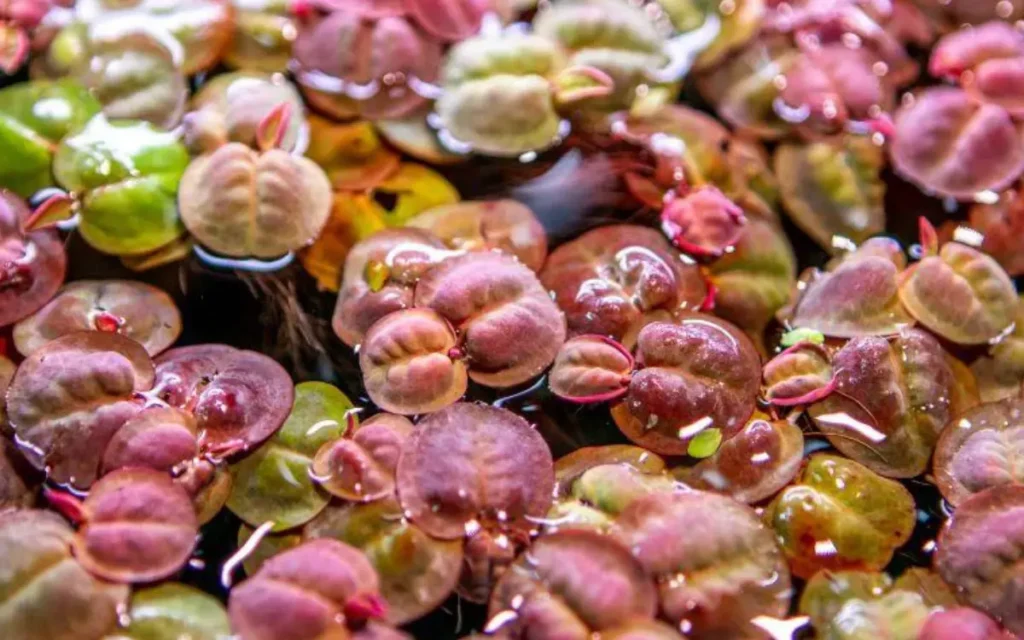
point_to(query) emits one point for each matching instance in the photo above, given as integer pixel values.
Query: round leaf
(473, 463)
(753, 465)
(503, 225)
(308, 592)
(417, 572)
(410, 363)
(125, 174)
(840, 515)
(44, 593)
(573, 582)
(343, 48)
(133, 309)
(171, 611)
(361, 467)
(972, 555)
(273, 483)
(509, 328)
(591, 369)
(701, 373)
(615, 279)
(69, 398)
(947, 143)
(239, 398)
(961, 294)
(240, 202)
(28, 135)
(140, 527)
(230, 107)
(725, 572)
(978, 450)
(833, 189)
(858, 297)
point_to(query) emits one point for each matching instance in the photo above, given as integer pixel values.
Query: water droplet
(124, 618)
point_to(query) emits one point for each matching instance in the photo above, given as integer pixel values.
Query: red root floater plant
(696, 374)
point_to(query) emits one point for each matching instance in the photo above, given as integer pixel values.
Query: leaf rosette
(891, 400)
(615, 279)
(125, 176)
(725, 572)
(840, 515)
(240, 202)
(347, 62)
(69, 398)
(572, 584)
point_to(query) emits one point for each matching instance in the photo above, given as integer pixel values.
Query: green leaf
(273, 483)
(34, 116)
(705, 443)
(172, 611)
(797, 335)
(126, 175)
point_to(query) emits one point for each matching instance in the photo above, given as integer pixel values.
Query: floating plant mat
(572, 187)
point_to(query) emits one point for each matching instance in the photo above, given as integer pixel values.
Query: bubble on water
(1004, 9)
(124, 618)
